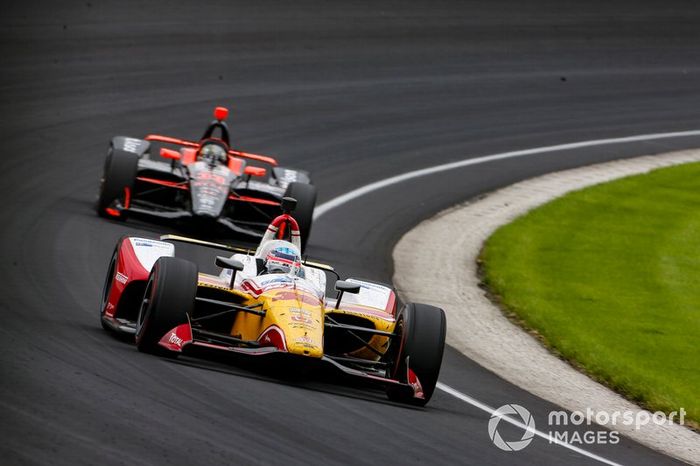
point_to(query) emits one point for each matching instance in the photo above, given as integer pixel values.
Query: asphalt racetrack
(352, 91)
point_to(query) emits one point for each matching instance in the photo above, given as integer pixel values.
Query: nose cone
(304, 331)
(305, 345)
(297, 312)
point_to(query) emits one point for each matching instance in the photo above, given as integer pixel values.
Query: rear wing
(234, 153)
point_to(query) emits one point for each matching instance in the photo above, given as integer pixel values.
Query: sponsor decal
(376, 296)
(272, 279)
(121, 278)
(175, 340)
(367, 312)
(302, 318)
(310, 299)
(209, 176)
(132, 145)
(369, 286)
(149, 243)
(287, 176)
(306, 342)
(300, 315)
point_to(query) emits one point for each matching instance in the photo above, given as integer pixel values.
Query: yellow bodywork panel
(300, 315)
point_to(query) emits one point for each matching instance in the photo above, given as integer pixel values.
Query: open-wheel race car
(206, 183)
(271, 303)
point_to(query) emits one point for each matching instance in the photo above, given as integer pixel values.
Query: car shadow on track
(318, 379)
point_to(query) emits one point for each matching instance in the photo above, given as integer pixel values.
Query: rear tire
(305, 194)
(168, 301)
(422, 342)
(119, 175)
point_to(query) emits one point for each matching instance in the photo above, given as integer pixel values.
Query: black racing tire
(305, 194)
(421, 329)
(119, 174)
(107, 288)
(169, 299)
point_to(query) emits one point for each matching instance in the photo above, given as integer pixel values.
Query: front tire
(305, 194)
(117, 183)
(421, 343)
(168, 301)
(107, 289)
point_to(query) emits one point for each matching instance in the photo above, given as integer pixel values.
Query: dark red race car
(206, 183)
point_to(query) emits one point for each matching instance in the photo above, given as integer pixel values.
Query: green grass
(609, 277)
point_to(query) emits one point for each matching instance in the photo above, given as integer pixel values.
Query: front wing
(184, 335)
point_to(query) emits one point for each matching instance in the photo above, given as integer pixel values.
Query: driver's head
(283, 259)
(213, 151)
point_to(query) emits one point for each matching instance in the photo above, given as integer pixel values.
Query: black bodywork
(212, 196)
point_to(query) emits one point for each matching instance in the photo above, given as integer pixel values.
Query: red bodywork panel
(189, 155)
(273, 336)
(236, 165)
(177, 338)
(128, 269)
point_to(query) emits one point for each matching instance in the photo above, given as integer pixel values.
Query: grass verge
(609, 278)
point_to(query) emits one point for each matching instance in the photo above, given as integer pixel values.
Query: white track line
(377, 185)
(491, 411)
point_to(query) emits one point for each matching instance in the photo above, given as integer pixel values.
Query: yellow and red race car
(269, 302)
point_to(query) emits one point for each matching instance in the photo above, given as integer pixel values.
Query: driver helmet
(213, 152)
(283, 259)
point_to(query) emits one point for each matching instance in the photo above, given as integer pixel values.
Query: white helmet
(282, 257)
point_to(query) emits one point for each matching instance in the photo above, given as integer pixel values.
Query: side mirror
(169, 154)
(254, 171)
(342, 287)
(229, 263)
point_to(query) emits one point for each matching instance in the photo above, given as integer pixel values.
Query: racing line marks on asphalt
(491, 412)
(377, 185)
